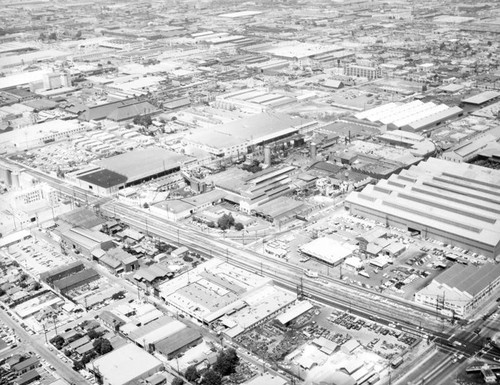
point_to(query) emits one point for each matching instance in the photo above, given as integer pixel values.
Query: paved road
(36, 344)
(281, 271)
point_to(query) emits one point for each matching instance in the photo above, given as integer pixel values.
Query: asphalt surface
(36, 343)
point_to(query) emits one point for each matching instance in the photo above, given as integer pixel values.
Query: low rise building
(461, 289)
(125, 365)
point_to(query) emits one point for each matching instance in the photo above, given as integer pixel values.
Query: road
(36, 344)
(284, 273)
(443, 365)
(409, 316)
(392, 307)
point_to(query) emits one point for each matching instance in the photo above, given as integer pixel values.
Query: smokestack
(267, 156)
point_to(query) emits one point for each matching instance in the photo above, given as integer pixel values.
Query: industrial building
(294, 312)
(327, 250)
(461, 289)
(415, 116)
(125, 365)
(482, 99)
(216, 292)
(249, 190)
(118, 110)
(145, 164)
(62, 271)
(236, 138)
(84, 241)
(70, 282)
(455, 203)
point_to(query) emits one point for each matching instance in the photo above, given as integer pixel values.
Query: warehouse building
(142, 165)
(84, 241)
(166, 336)
(235, 138)
(125, 366)
(75, 280)
(415, 116)
(294, 312)
(455, 203)
(461, 289)
(252, 190)
(327, 250)
(482, 99)
(62, 271)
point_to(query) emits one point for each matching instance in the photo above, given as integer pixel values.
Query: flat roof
(295, 49)
(104, 178)
(177, 340)
(143, 163)
(76, 278)
(483, 97)
(254, 129)
(327, 249)
(278, 207)
(267, 379)
(239, 14)
(295, 311)
(82, 217)
(157, 330)
(126, 364)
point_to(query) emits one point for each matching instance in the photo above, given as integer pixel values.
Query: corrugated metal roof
(469, 279)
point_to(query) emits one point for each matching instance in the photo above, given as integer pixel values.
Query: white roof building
(126, 365)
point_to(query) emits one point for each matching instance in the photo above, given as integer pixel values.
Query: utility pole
(45, 332)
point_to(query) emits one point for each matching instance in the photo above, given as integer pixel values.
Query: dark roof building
(103, 182)
(140, 165)
(62, 271)
(111, 320)
(26, 365)
(82, 217)
(118, 111)
(75, 280)
(177, 342)
(27, 378)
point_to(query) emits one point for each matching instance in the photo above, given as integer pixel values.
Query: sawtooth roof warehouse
(455, 203)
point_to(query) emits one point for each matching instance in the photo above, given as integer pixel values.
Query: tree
(226, 363)
(238, 226)
(143, 120)
(42, 36)
(191, 373)
(211, 377)
(177, 381)
(102, 346)
(145, 205)
(92, 334)
(225, 221)
(78, 34)
(57, 341)
(52, 36)
(37, 286)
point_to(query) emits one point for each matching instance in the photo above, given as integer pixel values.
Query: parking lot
(38, 256)
(401, 274)
(292, 347)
